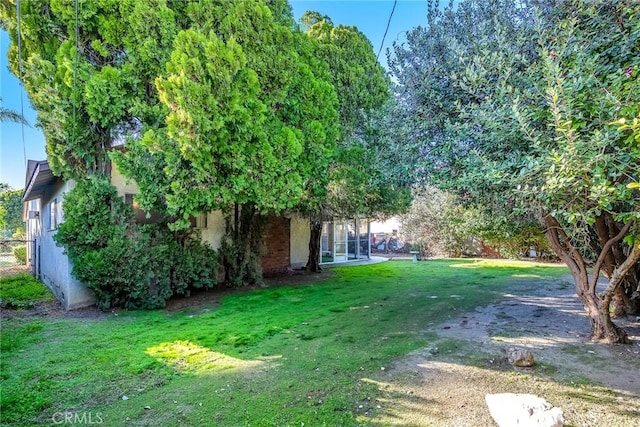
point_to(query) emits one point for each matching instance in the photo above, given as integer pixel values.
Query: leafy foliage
(20, 254)
(89, 73)
(220, 104)
(517, 110)
(11, 210)
(251, 116)
(442, 226)
(435, 223)
(356, 183)
(8, 115)
(129, 265)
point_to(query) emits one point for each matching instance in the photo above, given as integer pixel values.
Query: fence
(17, 256)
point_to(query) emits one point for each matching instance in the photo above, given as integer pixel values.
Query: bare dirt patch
(197, 299)
(212, 297)
(53, 310)
(445, 383)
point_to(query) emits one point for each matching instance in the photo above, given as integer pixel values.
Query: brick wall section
(276, 246)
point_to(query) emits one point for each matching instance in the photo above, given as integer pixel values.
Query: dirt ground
(197, 298)
(445, 383)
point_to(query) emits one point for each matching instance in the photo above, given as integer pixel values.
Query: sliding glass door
(344, 240)
(340, 241)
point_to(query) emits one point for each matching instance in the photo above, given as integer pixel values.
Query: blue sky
(370, 16)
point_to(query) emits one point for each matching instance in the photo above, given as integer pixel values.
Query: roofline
(40, 165)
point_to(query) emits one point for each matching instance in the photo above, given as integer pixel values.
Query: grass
(277, 356)
(23, 291)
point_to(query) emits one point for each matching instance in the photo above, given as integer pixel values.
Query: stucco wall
(32, 226)
(122, 185)
(214, 231)
(54, 267)
(299, 242)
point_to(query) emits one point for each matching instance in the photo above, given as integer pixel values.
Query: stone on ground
(523, 410)
(520, 357)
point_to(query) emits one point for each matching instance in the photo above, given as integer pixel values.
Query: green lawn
(277, 356)
(22, 291)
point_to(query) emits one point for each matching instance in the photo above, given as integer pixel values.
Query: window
(55, 214)
(141, 216)
(199, 221)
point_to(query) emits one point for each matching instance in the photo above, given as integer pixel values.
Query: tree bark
(315, 228)
(623, 303)
(241, 245)
(602, 328)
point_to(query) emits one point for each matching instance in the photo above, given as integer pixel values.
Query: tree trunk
(597, 308)
(241, 245)
(623, 302)
(313, 263)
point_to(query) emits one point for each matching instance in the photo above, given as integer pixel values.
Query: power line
(387, 29)
(75, 72)
(24, 145)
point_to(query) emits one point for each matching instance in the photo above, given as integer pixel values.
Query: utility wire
(75, 71)
(24, 145)
(387, 29)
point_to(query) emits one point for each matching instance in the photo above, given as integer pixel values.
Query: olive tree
(515, 106)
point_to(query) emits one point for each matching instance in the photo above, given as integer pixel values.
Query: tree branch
(603, 255)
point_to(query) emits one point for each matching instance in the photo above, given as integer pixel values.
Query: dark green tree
(10, 210)
(223, 105)
(353, 184)
(251, 125)
(89, 73)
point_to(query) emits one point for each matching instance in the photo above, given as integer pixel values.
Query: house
(42, 206)
(286, 238)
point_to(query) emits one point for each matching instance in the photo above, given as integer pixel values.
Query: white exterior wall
(214, 231)
(299, 242)
(387, 226)
(121, 183)
(32, 229)
(52, 264)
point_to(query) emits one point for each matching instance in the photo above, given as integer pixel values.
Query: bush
(20, 234)
(126, 264)
(437, 223)
(20, 254)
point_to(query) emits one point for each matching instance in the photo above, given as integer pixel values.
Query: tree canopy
(220, 105)
(356, 182)
(517, 108)
(251, 115)
(10, 209)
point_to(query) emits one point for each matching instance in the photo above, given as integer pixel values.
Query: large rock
(523, 410)
(520, 357)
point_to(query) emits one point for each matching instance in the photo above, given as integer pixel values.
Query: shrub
(20, 254)
(127, 264)
(437, 223)
(20, 234)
